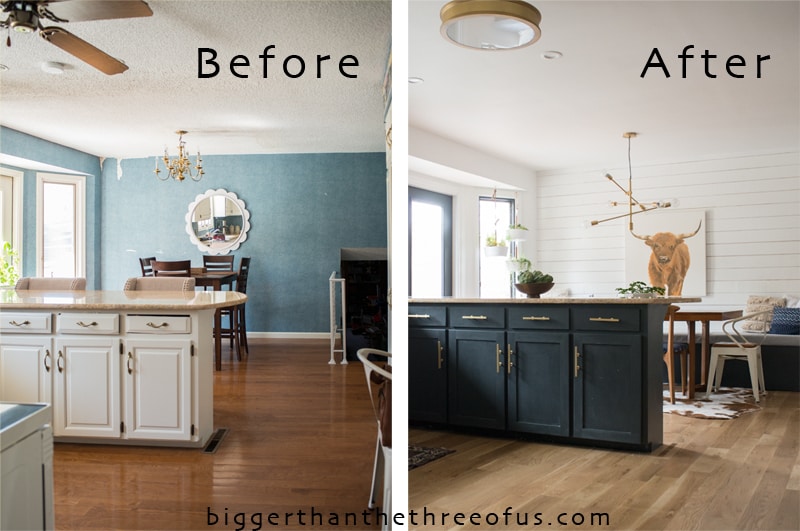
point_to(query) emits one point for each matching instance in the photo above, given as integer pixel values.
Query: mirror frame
(234, 244)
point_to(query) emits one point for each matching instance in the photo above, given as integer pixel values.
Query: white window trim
(80, 219)
(16, 206)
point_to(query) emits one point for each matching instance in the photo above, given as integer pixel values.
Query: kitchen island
(118, 367)
(585, 371)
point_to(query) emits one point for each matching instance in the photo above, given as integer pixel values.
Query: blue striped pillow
(785, 321)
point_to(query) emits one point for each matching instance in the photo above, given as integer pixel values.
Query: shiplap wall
(752, 209)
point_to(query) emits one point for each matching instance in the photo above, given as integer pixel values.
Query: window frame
(79, 205)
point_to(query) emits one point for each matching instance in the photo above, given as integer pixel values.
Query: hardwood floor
(302, 437)
(710, 474)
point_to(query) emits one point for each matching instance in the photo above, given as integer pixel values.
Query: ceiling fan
(25, 17)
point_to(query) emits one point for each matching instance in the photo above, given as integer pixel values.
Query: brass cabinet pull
(510, 362)
(128, 363)
(46, 359)
(86, 325)
(153, 325)
(536, 318)
(59, 360)
(604, 319)
(577, 359)
(419, 316)
(497, 358)
(439, 354)
(475, 317)
(23, 323)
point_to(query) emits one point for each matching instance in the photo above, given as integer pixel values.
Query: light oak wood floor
(709, 474)
(302, 438)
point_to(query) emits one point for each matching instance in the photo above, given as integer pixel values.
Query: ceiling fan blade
(83, 10)
(83, 50)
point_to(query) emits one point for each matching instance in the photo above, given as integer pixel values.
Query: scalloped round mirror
(217, 222)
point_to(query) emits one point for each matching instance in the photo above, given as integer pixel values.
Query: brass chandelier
(632, 202)
(180, 167)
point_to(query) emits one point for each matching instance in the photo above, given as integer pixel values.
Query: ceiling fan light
(491, 24)
(24, 21)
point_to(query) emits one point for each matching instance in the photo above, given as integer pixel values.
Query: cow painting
(669, 259)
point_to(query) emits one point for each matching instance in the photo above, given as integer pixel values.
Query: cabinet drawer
(538, 317)
(476, 316)
(606, 318)
(426, 316)
(23, 322)
(158, 324)
(87, 323)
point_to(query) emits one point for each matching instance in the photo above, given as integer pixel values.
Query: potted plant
(517, 232)
(495, 247)
(640, 290)
(534, 283)
(9, 264)
(517, 265)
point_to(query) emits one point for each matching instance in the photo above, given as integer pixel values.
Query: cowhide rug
(420, 455)
(727, 403)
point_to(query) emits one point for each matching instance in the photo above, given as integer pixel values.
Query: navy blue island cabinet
(583, 371)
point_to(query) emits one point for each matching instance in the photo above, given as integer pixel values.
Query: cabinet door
(607, 374)
(537, 366)
(87, 399)
(476, 378)
(26, 366)
(427, 374)
(157, 376)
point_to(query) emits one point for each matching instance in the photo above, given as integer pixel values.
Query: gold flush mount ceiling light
(491, 24)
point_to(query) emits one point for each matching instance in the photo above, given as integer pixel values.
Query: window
(60, 226)
(430, 243)
(495, 215)
(11, 208)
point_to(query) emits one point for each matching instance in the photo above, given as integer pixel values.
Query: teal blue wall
(303, 209)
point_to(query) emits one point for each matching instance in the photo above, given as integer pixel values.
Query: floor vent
(215, 440)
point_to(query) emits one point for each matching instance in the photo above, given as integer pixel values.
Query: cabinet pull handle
(128, 363)
(536, 318)
(419, 316)
(439, 354)
(577, 360)
(475, 317)
(23, 323)
(153, 325)
(46, 359)
(497, 353)
(86, 325)
(604, 319)
(510, 360)
(59, 360)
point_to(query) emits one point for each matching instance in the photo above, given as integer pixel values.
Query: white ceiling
(136, 113)
(571, 112)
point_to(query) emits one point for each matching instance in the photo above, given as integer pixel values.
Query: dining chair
(379, 385)
(159, 284)
(54, 283)
(175, 268)
(237, 333)
(739, 348)
(671, 349)
(218, 262)
(147, 268)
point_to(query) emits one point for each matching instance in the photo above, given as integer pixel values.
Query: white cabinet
(26, 369)
(157, 382)
(86, 398)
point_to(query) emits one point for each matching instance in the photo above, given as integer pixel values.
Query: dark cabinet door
(427, 375)
(607, 387)
(537, 366)
(476, 378)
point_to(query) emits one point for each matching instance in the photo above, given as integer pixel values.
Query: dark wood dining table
(704, 317)
(215, 280)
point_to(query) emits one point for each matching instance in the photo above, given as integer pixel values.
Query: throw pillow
(785, 321)
(757, 303)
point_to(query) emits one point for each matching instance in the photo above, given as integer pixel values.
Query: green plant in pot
(641, 290)
(495, 247)
(517, 265)
(517, 232)
(534, 283)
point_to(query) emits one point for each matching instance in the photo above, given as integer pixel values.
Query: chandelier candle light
(180, 167)
(643, 207)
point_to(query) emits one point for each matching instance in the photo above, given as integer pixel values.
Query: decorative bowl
(534, 289)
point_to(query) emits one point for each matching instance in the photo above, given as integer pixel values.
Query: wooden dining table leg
(692, 357)
(705, 352)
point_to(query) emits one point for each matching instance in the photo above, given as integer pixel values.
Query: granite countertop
(118, 300)
(565, 300)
